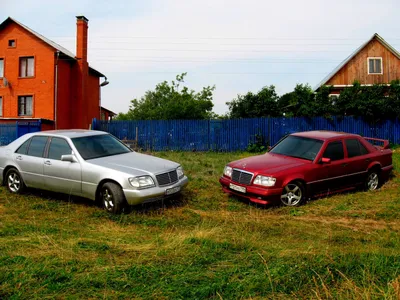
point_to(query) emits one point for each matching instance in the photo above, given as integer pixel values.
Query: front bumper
(134, 197)
(253, 193)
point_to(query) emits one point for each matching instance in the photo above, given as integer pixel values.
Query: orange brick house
(374, 62)
(40, 80)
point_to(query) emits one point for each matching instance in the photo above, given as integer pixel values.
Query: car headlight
(179, 172)
(228, 171)
(141, 182)
(264, 180)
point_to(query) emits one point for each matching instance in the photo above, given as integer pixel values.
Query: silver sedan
(91, 164)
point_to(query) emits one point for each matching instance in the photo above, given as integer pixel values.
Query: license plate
(172, 190)
(235, 187)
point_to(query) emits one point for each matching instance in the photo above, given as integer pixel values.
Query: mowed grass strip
(202, 245)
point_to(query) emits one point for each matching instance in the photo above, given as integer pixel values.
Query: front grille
(167, 178)
(241, 177)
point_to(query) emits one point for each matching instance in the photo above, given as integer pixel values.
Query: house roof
(109, 111)
(48, 42)
(343, 63)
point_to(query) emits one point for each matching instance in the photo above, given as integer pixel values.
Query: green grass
(202, 245)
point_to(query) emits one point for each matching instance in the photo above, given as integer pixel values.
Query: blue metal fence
(11, 131)
(235, 135)
(8, 133)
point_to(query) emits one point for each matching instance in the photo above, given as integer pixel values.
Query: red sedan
(309, 164)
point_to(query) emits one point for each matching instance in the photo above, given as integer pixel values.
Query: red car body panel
(317, 177)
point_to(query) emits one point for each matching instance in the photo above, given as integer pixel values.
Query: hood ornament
(244, 166)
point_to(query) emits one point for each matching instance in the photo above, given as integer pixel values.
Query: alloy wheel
(292, 195)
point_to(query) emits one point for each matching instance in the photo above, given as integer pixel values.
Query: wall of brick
(40, 86)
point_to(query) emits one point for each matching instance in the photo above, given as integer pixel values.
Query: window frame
(12, 40)
(3, 60)
(1, 105)
(25, 75)
(32, 109)
(374, 58)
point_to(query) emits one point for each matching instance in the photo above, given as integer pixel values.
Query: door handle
(47, 162)
(368, 160)
(343, 165)
(19, 157)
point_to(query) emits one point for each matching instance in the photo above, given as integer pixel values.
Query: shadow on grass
(151, 207)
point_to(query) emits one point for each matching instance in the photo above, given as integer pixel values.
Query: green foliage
(371, 103)
(259, 145)
(262, 104)
(171, 102)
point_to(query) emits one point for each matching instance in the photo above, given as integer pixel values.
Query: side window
(58, 147)
(22, 149)
(363, 149)
(36, 148)
(334, 151)
(355, 148)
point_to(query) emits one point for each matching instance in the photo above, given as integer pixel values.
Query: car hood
(135, 163)
(268, 163)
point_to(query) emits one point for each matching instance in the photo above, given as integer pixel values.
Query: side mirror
(325, 160)
(68, 157)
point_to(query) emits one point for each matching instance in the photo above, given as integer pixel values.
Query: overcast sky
(238, 46)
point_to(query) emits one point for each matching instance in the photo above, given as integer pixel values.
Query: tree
(171, 102)
(262, 104)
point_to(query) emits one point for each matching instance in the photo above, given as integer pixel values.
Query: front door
(61, 176)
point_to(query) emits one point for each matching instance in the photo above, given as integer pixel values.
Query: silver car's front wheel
(112, 198)
(293, 194)
(14, 181)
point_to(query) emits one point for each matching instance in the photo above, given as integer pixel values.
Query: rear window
(37, 145)
(355, 148)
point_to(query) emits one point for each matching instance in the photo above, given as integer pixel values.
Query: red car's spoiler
(385, 143)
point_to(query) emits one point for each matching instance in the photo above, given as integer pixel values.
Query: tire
(14, 182)
(293, 194)
(373, 180)
(112, 198)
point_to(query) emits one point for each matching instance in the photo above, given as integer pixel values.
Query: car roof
(70, 133)
(323, 134)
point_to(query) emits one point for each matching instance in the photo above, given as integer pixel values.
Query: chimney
(81, 38)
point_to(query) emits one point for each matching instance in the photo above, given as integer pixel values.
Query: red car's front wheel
(293, 194)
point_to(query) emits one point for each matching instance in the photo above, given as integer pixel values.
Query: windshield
(96, 146)
(299, 147)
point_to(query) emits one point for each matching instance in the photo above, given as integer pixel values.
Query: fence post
(94, 124)
(17, 131)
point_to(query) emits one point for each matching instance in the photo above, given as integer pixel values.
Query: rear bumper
(253, 193)
(134, 197)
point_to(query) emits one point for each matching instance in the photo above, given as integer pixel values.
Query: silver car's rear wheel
(293, 194)
(14, 181)
(112, 198)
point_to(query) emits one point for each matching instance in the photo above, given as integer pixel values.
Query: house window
(25, 105)
(1, 106)
(1, 67)
(333, 98)
(12, 43)
(26, 66)
(375, 65)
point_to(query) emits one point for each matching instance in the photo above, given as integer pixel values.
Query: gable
(48, 43)
(355, 67)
